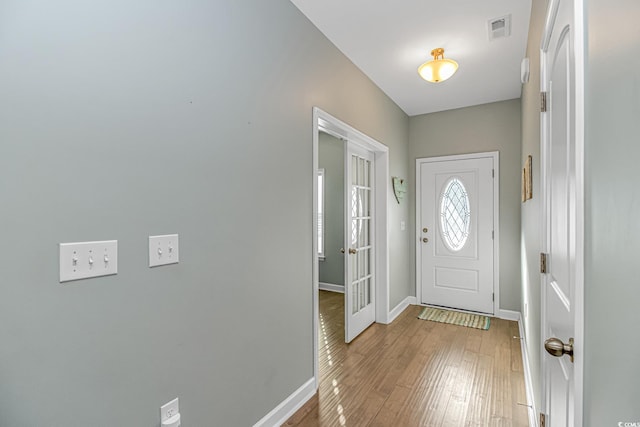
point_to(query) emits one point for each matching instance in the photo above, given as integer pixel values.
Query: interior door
(456, 220)
(359, 277)
(561, 232)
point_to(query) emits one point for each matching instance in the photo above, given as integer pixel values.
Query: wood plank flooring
(415, 373)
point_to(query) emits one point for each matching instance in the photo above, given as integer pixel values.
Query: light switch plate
(163, 250)
(83, 260)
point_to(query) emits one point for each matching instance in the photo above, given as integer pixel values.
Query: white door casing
(456, 221)
(325, 122)
(563, 210)
(359, 241)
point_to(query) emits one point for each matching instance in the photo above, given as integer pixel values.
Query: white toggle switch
(78, 260)
(163, 250)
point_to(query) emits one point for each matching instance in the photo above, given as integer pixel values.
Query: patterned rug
(455, 318)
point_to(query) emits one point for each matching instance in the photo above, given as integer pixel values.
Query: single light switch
(83, 260)
(163, 250)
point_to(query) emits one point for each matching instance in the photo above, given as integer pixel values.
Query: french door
(359, 241)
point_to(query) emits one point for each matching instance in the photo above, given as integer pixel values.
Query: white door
(562, 238)
(455, 232)
(359, 277)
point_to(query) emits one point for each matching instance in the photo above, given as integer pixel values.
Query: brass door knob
(352, 251)
(341, 250)
(425, 240)
(557, 348)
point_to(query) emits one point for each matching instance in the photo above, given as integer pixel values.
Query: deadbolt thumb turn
(557, 348)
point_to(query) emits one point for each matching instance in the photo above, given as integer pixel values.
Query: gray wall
(488, 127)
(612, 291)
(122, 119)
(331, 158)
(531, 210)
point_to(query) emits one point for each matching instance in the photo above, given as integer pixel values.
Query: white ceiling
(388, 40)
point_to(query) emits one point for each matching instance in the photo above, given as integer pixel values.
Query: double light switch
(163, 250)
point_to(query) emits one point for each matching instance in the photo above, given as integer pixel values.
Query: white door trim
(333, 126)
(495, 155)
(578, 49)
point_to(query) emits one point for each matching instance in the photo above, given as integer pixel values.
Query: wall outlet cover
(169, 410)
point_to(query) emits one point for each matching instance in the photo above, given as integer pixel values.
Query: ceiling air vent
(500, 27)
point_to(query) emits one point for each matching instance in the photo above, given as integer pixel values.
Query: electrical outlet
(83, 260)
(163, 250)
(169, 410)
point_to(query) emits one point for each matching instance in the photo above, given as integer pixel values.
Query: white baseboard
(398, 309)
(281, 413)
(331, 287)
(528, 384)
(508, 315)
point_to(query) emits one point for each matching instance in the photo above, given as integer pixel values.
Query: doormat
(469, 320)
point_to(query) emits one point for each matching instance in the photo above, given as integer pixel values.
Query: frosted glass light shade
(438, 69)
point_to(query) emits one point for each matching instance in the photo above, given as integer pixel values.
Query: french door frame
(325, 122)
(496, 220)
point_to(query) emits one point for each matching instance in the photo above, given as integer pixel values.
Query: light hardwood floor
(415, 373)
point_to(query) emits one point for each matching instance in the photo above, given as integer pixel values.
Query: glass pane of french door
(360, 239)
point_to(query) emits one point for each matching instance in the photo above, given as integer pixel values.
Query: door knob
(352, 251)
(425, 240)
(341, 250)
(425, 230)
(557, 348)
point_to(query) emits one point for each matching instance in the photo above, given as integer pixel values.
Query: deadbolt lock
(425, 230)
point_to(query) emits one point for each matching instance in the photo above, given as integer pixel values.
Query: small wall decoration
(527, 180)
(399, 188)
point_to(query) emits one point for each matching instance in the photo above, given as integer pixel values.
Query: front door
(359, 278)
(456, 231)
(562, 212)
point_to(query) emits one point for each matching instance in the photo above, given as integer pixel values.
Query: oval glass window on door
(455, 215)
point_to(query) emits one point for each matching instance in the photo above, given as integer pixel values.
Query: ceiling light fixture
(438, 69)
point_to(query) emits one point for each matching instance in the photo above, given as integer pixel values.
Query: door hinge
(543, 102)
(543, 262)
(493, 173)
(543, 420)
(493, 297)
(493, 235)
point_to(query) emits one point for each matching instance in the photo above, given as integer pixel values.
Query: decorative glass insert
(455, 215)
